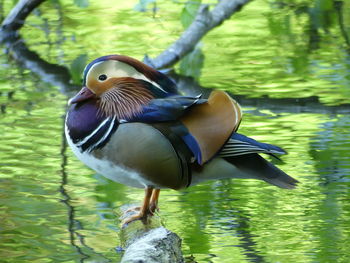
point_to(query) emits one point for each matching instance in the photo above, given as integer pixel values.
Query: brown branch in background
(204, 21)
(18, 14)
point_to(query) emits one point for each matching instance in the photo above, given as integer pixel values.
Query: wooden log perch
(204, 21)
(149, 242)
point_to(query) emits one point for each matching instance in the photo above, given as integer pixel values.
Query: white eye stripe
(116, 69)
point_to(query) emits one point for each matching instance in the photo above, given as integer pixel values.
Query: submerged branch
(50, 73)
(16, 47)
(59, 76)
(190, 86)
(204, 21)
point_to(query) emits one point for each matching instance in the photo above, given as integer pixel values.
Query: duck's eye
(102, 77)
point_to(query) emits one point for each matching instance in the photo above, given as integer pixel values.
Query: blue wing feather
(173, 107)
(165, 109)
(193, 145)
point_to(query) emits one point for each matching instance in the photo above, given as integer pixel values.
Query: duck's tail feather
(257, 167)
(240, 144)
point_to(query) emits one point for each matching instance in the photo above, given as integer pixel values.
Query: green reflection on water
(270, 54)
(54, 209)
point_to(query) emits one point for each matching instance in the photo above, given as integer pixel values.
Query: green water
(288, 63)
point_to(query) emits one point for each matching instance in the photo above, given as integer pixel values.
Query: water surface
(287, 64)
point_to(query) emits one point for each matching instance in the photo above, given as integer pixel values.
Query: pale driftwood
(149, 242)
(204, 21)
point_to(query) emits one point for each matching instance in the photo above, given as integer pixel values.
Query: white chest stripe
(80, 143)
(104, 136)
(108, 169)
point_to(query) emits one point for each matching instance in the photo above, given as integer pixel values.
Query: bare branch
(18, 14)
(204, 21)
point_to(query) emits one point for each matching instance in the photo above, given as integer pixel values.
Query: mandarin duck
(130, 124)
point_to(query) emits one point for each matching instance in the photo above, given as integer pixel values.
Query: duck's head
(121, 85)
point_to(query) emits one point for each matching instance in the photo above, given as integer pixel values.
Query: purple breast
(82, 119)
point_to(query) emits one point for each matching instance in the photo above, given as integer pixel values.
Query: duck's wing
(206, 124)
(166, 109)
(167, 112)
(212, 123)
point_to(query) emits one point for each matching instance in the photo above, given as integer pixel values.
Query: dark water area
(286, 62)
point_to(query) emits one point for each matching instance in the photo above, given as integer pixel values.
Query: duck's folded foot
(139, 216)
(133, 209)
(153, 208)
(144, 210)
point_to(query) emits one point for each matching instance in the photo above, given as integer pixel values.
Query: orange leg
(153, 205)
(144, 208)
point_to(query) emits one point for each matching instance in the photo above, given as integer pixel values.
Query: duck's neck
(87, 127)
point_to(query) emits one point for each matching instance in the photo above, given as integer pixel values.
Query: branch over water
(204, 21)
(15, 19)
